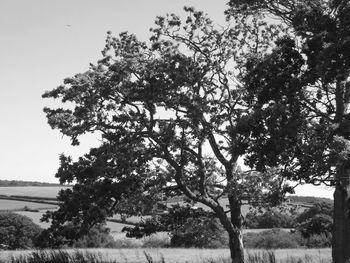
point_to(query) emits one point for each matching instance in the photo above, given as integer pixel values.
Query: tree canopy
(177, 112)
(174, 117)
(311, 84)
(301, 89)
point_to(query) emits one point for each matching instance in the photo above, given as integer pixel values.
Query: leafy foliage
(316, 209)
(318, 241)
(316, 221)
(272, 218)
(316, 225)
(196, 97)
(187, 226)
(272, 239)
(96, 237)
(102, 177)
(17, 231)
(175, 115)
(310, 137)
(303, 116)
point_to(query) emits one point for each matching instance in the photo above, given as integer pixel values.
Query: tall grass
(79, 256)
(270, 257)
(265, 256)
(59, 256)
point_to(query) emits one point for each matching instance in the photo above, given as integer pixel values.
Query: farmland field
(36, 216)
(114, 227)
(194, 255)
(14, 205)
(35, 191)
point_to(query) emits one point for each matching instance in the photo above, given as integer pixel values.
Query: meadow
(179, 255)
(135, 250)
(36, 216)
(52, 192)
(34, 191)
(16, 205)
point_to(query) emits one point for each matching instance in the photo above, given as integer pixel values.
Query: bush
(98, 237)
(126, 242)
(203, 232)
(188, 227)
(272, 239)
(160, 239)
(17, 231)
(269, 219)
(318, 208)
(319, 241)
(316, 225)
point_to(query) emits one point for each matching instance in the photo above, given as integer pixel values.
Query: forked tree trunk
(233, 228)
(236, 240)
(236, 247)
(341, 217)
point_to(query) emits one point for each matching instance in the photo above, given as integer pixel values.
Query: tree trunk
(236, 247)
(341, 225)
(236, 240)
(233, 227)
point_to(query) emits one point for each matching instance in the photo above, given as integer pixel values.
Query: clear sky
(44, 41)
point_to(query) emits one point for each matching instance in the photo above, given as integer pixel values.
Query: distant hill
(4, 183)
(308, 199)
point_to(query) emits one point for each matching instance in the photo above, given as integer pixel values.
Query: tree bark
(341, 225)
(236, 240)
(233, 227)
(236, 247)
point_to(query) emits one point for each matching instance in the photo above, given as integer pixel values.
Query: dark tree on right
(302, 100)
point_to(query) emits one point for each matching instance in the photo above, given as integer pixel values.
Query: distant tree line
(24, 183)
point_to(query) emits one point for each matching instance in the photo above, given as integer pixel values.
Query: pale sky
(43, 42)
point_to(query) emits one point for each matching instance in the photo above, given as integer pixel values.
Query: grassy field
(36, 216)
(194, 255)
(113, 226)
(15, 205)
(52, 191)
(36, 191)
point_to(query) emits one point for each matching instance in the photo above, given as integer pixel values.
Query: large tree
(303, 91)
(174, 117)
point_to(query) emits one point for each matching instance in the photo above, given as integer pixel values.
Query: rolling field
(36, 216)
(52, 191)
(115, 227)
(180, 255)
(15, 205)
(35, 191)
